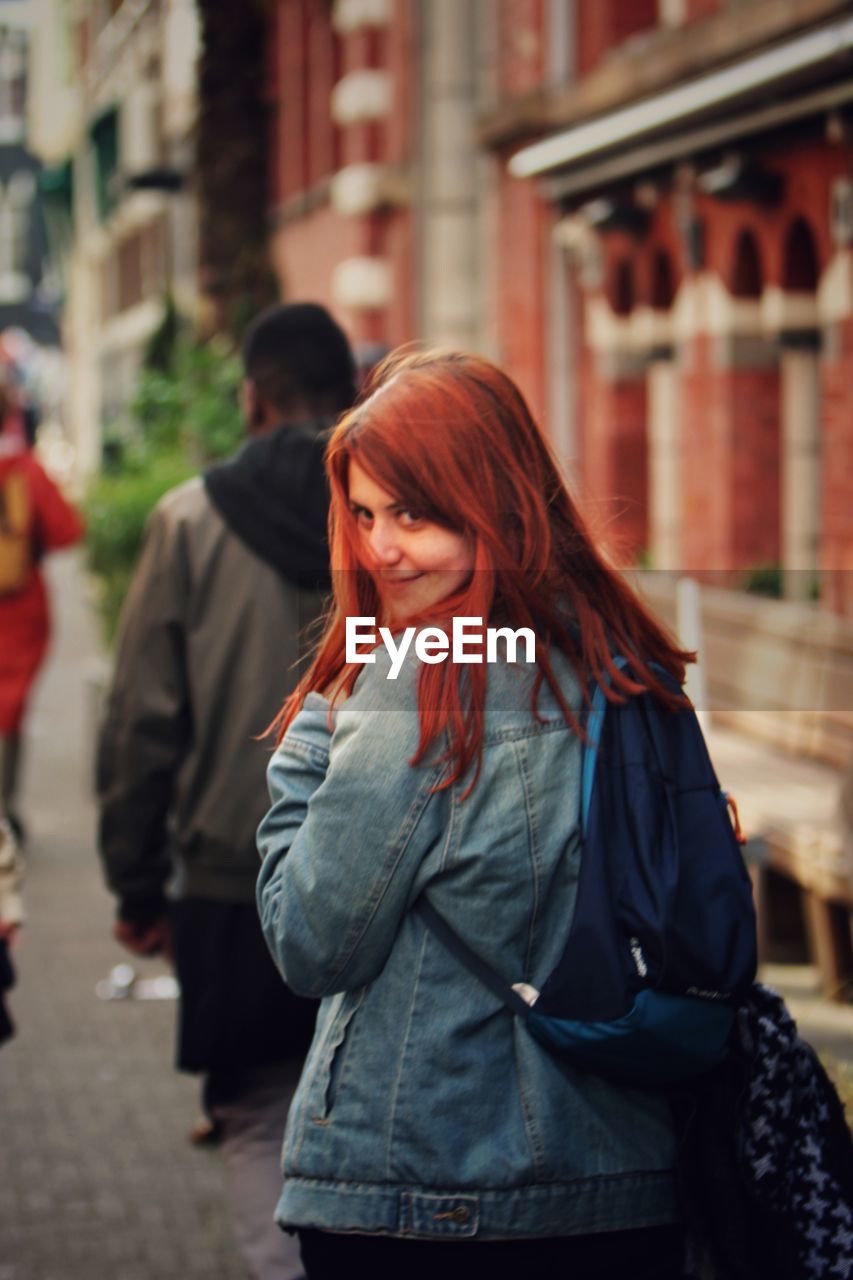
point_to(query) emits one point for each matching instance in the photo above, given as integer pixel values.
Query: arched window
(663, 281)
(800, 265)
(747, 276)
(622, 291)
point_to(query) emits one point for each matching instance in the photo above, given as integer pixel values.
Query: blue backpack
(661, 946)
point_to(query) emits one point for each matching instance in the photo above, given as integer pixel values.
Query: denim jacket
(425, 1107)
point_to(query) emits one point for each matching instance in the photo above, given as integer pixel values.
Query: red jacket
(24, 617)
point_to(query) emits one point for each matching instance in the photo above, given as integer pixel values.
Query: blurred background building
(111, 109)
(642, 208)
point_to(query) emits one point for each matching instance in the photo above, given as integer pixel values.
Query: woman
(34, 519)
(429, 1130)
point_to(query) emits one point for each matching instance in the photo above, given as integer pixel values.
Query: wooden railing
(777, 671)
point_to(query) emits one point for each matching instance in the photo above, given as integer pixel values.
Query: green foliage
(161, 346)
(764, 580)
(769, 580)
(117, 507)
(193, 404)
(209, 376)
(186, 415)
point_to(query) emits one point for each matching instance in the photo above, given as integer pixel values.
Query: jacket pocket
(331, 1064)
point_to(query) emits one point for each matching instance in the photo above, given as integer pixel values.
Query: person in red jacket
(34, 518)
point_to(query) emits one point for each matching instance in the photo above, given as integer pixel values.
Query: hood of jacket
(273, 494)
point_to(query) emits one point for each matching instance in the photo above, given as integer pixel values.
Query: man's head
(298, 367)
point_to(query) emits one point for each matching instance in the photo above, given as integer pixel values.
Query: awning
(796, 61)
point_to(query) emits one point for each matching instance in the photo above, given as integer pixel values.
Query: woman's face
(414, 561)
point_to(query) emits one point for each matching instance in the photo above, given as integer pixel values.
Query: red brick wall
(324, 60)
(754, 435)
(706, 498)
(730, 502)
(629, 461)
(521, 53)
(696, 9)
(522, 225)
(399, 320)
(307, 60)
(615, 461)
(306, 250)
(604, 24)
(401, 50)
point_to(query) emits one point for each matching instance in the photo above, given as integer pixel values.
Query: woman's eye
(363, 517)
(408, 517)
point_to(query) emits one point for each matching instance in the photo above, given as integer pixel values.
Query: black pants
(653, 1253)
(235, 1012)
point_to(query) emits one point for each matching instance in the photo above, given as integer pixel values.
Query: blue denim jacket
(425, 1108)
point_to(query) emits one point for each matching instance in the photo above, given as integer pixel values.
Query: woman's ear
(251, 405)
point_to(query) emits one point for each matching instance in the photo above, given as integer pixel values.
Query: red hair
(450, 435)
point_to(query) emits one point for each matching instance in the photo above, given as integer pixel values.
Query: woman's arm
(354, 820)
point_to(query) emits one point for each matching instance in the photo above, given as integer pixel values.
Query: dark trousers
(235, 1012)
(652, 1253)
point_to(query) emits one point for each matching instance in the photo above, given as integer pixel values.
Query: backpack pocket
(663, 1039)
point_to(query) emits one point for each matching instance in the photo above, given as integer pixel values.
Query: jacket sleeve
(349, 826)
(147, 726)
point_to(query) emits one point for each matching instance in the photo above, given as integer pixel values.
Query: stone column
(800, 470)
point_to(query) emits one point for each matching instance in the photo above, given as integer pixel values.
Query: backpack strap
(475, 964)
(448, 936)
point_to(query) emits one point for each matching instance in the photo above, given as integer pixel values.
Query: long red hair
(450, 436)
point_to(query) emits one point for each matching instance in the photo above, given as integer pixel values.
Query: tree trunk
(232, 163)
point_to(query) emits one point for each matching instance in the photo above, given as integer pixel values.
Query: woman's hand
(9, 932)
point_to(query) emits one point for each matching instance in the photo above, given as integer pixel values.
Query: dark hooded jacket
(214, 632)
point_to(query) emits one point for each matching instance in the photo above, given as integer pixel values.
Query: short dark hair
(299, 358)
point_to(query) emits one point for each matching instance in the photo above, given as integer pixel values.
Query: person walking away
(35, 518)
(431, 1134)
(233, 570)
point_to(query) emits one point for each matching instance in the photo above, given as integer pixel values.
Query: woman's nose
(384, 545)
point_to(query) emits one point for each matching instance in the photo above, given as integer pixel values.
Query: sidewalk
(99, 1182)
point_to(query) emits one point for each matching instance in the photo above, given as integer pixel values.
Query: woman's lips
(400, 580)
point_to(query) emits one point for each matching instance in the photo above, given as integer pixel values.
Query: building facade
(642, 208)
(28, 296)
(694, 170)
(112, 111)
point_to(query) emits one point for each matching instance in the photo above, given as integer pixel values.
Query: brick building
(339, 165)
(378, 183)
(642, 208)
(695, 167)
